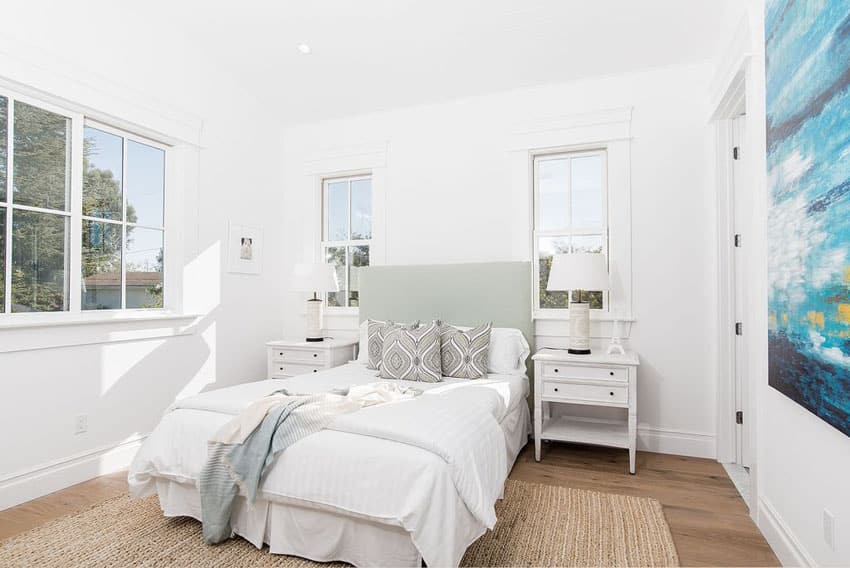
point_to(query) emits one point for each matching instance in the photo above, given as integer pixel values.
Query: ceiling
(371, 55)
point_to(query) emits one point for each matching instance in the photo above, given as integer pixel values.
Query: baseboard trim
(41, 480)
(678, 442)
(781, 539)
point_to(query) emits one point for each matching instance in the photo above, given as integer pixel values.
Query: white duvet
(448, 451)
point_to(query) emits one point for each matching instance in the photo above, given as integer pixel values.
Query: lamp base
(579, 328)
(314, 321)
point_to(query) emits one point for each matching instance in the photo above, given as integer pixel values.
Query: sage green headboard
(460, 294)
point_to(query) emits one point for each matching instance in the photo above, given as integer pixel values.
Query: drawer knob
(281, 368)
(611, 393)
(611, 373)
(556, 389)
(316, 355)
(316, 371)
(556, 370)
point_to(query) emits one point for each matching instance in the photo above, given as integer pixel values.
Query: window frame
(324, 243)
(536, 233)
(127, 137)
(73, 246)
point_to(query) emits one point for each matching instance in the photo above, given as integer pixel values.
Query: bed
(342, 494)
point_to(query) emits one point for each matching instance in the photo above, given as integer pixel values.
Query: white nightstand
(289, 358)
(592, 380)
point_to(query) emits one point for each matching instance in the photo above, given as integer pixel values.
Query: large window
(347, 233)
(58, 174)
(570, 216)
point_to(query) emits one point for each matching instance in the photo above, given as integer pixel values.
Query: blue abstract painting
(807, 49)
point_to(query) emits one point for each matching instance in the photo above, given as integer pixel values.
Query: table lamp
(316, 278)
(578, 272)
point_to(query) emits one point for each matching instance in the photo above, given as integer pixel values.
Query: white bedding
(366, 476)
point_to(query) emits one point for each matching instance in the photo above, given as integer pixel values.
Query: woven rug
(539, 525)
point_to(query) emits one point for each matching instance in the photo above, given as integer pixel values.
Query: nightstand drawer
(292, 369)
(555, 371)
(299, 356)
(586, 393)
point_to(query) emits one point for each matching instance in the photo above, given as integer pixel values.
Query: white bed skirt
(322, 533)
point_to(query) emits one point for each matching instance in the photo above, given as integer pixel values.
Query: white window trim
(605, 129)
(347, 161)
(82, 96)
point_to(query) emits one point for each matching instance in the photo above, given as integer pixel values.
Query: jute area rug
(539, 525)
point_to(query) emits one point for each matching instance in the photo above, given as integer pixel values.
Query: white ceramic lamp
(578, 272)
(316, 278)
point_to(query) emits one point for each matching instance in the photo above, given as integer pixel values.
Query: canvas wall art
(807, 48)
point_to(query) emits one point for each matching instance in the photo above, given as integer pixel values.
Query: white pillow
(508, 351)
(363, 351)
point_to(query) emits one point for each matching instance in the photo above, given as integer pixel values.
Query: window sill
(564, 315)
(27, 332)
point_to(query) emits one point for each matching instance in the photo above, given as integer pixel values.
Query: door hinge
(738, 240)
(739, 417)
(739, 328)
(735, 153)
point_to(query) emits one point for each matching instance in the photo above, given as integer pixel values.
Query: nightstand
(597, 379)
(290, 358)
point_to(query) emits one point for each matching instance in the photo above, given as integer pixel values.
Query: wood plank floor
(709, 521)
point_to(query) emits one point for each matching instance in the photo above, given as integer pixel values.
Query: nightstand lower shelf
(568, 429)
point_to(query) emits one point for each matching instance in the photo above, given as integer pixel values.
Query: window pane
(2, 259)
(145, 184)
(101, 266)
(361, 209)
(42, 148)
(587, 192)
(548, 247)
(39, 257)
(553, 185)
(588, 243)
(336, 256)
(359, 258)
(4, 151)
(144, 268)
(102, 166)
(595, 299)
(337, 211)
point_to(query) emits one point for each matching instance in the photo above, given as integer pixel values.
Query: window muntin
(347, 233)
(48, 231)
(570, 216)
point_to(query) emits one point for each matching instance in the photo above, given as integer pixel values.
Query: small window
(347, 233)
(570, 216)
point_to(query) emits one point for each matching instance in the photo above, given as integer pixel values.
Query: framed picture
(244, 249)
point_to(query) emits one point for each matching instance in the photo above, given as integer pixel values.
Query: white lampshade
(578, 271)
(315, 277)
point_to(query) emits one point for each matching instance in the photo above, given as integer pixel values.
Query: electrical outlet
(81, 423)
(829, 529)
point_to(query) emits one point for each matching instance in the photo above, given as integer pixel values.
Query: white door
(742, 206)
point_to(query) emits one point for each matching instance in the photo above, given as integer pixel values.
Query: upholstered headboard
(461, 294)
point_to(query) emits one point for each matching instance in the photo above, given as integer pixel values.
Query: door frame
(732, 105)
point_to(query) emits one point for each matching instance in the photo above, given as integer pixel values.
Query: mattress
(385, 483)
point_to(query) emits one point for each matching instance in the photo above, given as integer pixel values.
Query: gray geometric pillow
(412, 354)
(464, 353)
(376, 332)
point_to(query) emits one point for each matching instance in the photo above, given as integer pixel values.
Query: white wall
(449, 198)
(802, 463)
(124, 387)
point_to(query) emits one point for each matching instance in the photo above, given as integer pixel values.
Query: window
(46, 154)
(346, 233)
(570, 215)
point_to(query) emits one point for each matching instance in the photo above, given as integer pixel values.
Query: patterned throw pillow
(376, 332)
(412, 354)
(464, 353)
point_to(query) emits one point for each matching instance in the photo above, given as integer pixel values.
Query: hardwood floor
(709, 521)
